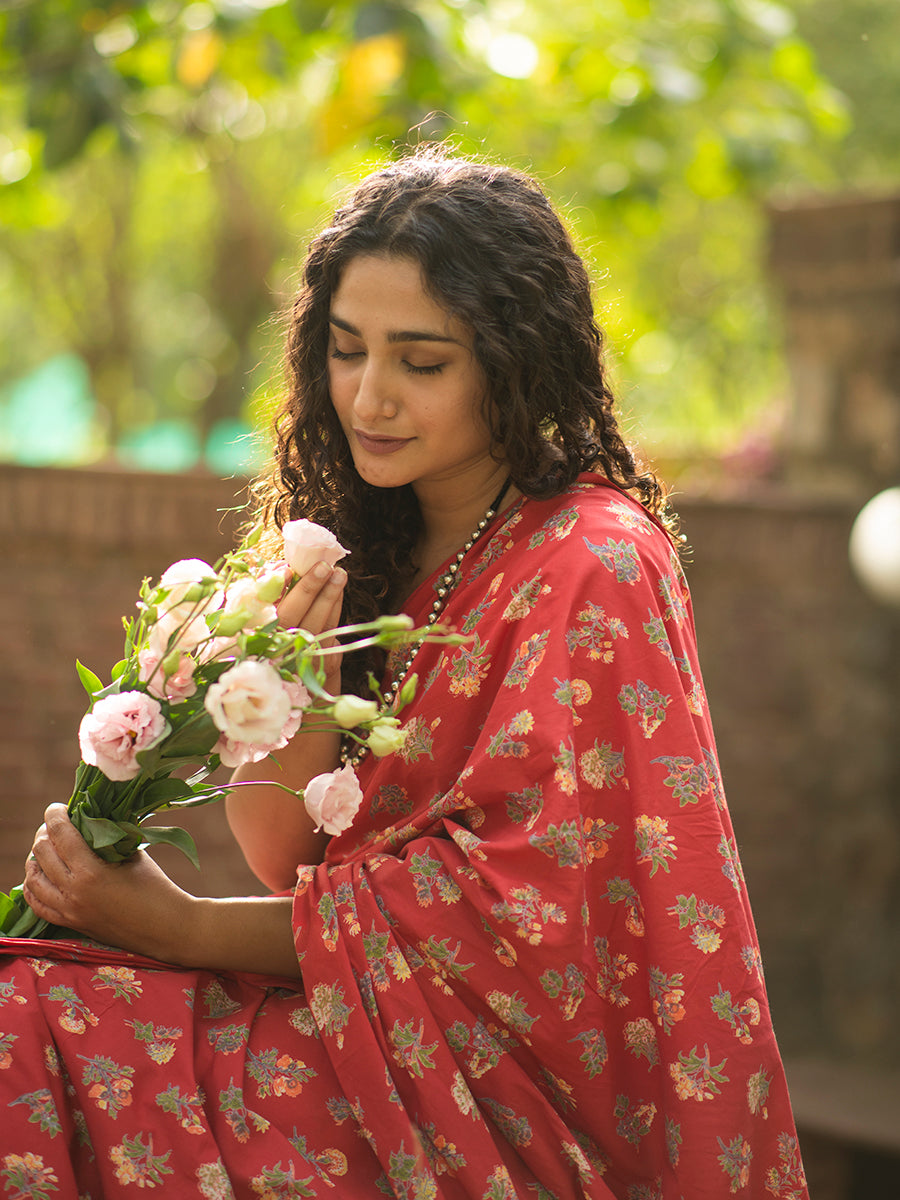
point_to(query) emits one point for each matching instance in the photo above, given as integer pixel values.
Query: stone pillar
(837, 266)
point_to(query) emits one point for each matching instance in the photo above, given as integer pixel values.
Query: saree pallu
(529, 967)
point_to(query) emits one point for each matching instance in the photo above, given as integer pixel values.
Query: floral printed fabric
(529, 967)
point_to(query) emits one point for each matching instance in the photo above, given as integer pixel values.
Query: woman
(529, 966)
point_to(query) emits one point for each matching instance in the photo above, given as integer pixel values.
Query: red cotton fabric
(529, 967)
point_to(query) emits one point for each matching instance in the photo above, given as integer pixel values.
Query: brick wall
(801, 669)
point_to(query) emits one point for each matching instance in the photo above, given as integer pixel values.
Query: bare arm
(273, 828)
(134, 905)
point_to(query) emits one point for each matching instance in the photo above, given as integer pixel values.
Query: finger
(314, 603)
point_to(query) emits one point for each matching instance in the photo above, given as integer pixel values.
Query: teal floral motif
(619, 557)
(758, 1092)
(276, 1183)
(602, 767)
(135, 1162)
(517, 1130)
(469, 668)
(596, 633)
(431, 876)
(111, 1083)
(704, 920)
(381, 955)
(640, 1039)
(443, 959)
(486, 1045)
(612, 971)
(508, 741)
(408, 1178)
(330, 1010)
(528, 658)
(653, 842)
(562, 842)
(43, 1110)
(731, 868)
(443, 1156)
(187, 1109)
(622, 891)
(324, 1162)
(524, 807)
(667, 994)
(634, 1119)
(740, 1015)
(674, 1140)
(499, 1186)
(229, 1038)
(529, 912)
(735, 1161)
(391, 798)
(568, 984)
(75, 1016)
(689, 780)
(647, 702)
(594, 1051)
(409, 1050)
(241, 1119)
(673, 593)
(524, 598)
(655, 630)
(695, 1076)
(512, 1010)
(559, 526)
(419, 741)
(28, 1175)
(159, 1040)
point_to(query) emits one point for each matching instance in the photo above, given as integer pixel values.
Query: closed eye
(344, 355)
(434, 370)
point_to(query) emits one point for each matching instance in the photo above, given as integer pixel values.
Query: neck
(450, 520)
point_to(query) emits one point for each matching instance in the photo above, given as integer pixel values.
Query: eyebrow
(399, 335)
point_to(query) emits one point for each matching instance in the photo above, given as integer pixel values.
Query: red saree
(529, 968)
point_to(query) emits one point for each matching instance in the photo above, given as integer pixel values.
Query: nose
(374, 399)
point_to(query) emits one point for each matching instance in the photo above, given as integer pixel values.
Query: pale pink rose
(333, 799)
(306, 543)
(300, 700)
(234, 754)
(180, 627)
(249, 703)
(181, 576)
(179, 685)
(117, 729)
(243, 597)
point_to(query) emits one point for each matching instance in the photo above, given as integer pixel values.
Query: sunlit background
(162, 164)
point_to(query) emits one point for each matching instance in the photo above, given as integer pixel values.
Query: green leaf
(163, 792)
(89, 681)
(156, 835)
(99, 832)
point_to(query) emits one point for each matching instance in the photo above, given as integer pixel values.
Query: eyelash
(343, 356)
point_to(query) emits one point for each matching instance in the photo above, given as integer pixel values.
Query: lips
(374, 443)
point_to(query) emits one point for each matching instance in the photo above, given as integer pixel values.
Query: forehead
(380, 293)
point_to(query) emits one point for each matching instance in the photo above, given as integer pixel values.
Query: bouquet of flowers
(209, 678)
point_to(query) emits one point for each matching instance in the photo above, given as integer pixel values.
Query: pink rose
(235, 753)
(249, 703)
(306, 543)
(117, 729)
(179, 626)
(333, 799)
(245, 600)
(177, 687)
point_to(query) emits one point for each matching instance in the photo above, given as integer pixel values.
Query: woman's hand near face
(314, 602)
(272, 827)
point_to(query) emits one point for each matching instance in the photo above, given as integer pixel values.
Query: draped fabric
(529, 967)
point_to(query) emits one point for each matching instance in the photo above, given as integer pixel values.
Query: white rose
(181, 577)
(350, 711)
(249, 703)
(243, 599)
(333, 799)
(386, 737)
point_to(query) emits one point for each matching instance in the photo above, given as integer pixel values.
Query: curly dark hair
(494, 253)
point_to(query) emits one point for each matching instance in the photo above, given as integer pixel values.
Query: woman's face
(405, 383)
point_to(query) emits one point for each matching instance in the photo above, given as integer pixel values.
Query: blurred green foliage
(161, 165)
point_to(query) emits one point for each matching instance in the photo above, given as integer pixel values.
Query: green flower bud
(350, 711)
